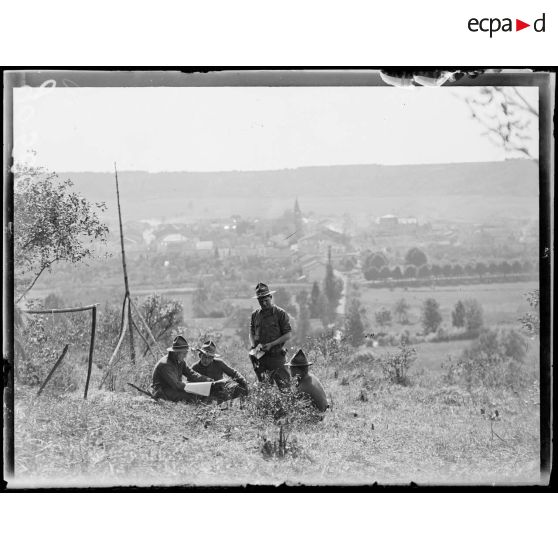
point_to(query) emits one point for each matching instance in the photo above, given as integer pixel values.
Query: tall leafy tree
(481, 269)
(303, 321)
(333, 288)
(415, 256)
(473, 315)
(354, 323)
(410, 272)
(458, 314)
(401, 310)
(52, 223)
(431, 316)
(317, 303)
(423, 271)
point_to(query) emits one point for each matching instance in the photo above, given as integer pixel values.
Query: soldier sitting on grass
(307, 383)
(167, 375)
(210, 366)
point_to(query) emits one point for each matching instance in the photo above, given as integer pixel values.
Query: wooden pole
(60, 310)
(64, 351)
(91, 347)
(126, 286)
(121, 336)
(142, 390)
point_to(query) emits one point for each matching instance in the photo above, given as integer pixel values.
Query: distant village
(304, 242)
(226, 256)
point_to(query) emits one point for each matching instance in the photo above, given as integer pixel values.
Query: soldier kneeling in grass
(307, 383)
(212, 367)
(167, 375)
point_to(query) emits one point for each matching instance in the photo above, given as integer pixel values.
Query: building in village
(319, 241)
(388, 223)
(313, 270)
(174, 243)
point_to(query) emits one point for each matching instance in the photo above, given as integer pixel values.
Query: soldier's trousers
(272, 369)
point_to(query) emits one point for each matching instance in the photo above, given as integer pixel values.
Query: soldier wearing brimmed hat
(307, 383)
(211, 366)
(270, 329)
(167, 375)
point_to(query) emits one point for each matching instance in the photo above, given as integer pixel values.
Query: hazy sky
(241, 128)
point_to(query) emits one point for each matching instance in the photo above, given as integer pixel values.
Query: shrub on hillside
(286, 406)
(504, 343)
(487, 371)
(395, 366)
(530, 321)
(494, 360)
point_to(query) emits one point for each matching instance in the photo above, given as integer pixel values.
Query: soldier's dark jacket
(313, 388)
(216, 369)
(268, 324)
(167, 378)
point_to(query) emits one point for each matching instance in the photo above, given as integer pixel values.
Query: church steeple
(298, 220)
(297, 211)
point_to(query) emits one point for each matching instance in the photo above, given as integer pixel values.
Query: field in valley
(502, 303)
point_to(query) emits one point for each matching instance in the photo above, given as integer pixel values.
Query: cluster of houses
(307, 242)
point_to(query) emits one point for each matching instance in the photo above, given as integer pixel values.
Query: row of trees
(425, 271)
(414, 256)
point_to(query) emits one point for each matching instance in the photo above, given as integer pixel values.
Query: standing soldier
(270, 329)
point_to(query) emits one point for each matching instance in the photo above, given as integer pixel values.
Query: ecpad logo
(494, 24)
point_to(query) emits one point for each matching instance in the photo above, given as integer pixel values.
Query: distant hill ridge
(432, 191)
(517, 177)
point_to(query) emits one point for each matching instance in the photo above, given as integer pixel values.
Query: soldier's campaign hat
(179, 344)
(209, 349)
(299, 360)
(262, 290)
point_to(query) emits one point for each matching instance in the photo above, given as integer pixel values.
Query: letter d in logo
(539, 24)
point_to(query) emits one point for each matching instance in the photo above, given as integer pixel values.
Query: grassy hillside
(431, 431)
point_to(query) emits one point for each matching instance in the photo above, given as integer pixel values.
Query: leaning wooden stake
(64, 351)
(147, 328)
(126, 285)
(144, 339)
(122, 333)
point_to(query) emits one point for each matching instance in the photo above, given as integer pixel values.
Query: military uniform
(307, 384)
(266, 325)
(216, 370)
(167, 379)
(310, 386)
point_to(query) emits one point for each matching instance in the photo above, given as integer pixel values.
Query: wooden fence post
(91, 348)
